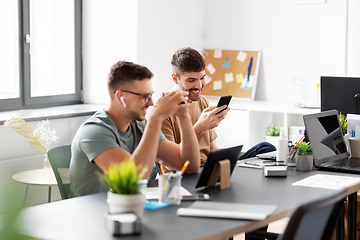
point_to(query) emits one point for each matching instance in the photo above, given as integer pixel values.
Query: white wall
(307, 39)
(310, 39)
(109, 35)
(353, 41)
(163, 27)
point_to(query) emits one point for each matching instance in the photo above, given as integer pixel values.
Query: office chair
(59, 157)
(314, 220)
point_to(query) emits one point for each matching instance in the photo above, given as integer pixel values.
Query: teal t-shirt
(95, 136)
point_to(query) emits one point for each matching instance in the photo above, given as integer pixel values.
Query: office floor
(276, 227)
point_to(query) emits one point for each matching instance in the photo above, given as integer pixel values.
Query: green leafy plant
(123, 178)
(343, 123)
(273, 130)
(304, 148)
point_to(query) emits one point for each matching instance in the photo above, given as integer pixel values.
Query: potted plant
(304, 158)
(124, 183)
(344, 125)
(273, 133)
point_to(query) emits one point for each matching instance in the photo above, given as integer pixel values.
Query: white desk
(41, 177)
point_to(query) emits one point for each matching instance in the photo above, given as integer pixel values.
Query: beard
(193, 96)
(136, 115)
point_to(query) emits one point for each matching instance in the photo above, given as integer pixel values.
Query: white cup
(354, 147)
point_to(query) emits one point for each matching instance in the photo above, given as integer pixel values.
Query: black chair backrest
(315, 220)
(60, 157)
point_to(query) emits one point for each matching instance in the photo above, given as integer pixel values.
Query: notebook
(327, 141)
(227, 210)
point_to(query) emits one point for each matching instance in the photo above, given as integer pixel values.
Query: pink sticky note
(207, 79)
(217, 53)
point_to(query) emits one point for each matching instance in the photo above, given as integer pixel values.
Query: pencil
(161, 168)
(185, 166)
(296, 145)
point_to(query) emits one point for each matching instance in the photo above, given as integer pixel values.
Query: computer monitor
(339, 93)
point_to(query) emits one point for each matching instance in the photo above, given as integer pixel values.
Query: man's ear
(118, 95)
(175, 78)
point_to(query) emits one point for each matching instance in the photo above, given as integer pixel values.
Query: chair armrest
(262, 235)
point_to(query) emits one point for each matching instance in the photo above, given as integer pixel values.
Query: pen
(249, 69)
(185, 166)
(254, 164)
(296, 145)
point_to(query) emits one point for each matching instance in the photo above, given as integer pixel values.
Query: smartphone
(201, 197)
(224, 100)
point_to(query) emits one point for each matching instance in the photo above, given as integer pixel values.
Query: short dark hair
(187, 60)
(124, 72)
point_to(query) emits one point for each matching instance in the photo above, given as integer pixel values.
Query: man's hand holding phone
(224, 100)
(212, 116)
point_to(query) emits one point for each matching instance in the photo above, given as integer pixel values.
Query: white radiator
(9, 167)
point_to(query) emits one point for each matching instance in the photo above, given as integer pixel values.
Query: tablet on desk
(231, 153)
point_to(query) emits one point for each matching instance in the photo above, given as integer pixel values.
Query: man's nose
(150, 102)
(198, 84)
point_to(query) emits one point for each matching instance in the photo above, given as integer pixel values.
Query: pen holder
(169, 188)
(292, 158)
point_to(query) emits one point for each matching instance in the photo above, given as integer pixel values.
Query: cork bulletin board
(231, 72)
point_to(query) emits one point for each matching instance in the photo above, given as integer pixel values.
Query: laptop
(327, 141)
(231, 153)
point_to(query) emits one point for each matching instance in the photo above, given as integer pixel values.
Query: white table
(41, 177)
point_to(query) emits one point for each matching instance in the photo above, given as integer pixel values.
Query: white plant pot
(273, 140)
(346, 140)
(304, 162)
(120, 203)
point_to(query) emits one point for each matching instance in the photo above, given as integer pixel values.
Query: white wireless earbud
(122, 100)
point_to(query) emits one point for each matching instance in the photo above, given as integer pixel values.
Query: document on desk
(334, 182)
(153, 192)
(253, 163)
(227, 210)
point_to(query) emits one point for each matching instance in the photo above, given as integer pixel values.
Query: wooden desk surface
(82, 217)
(42, 177)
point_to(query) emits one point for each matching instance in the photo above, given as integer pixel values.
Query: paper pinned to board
(248, 82)
(211, 68)
(229, 77)
(217, 85)
(217, 53)
(241, 56)
(239, 77)
(207, 79)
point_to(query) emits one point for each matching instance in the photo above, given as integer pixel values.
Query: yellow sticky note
(239, 78)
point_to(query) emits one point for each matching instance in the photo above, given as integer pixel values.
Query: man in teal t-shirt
(121, 131)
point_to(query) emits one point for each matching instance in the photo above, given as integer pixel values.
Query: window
(41, 53)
